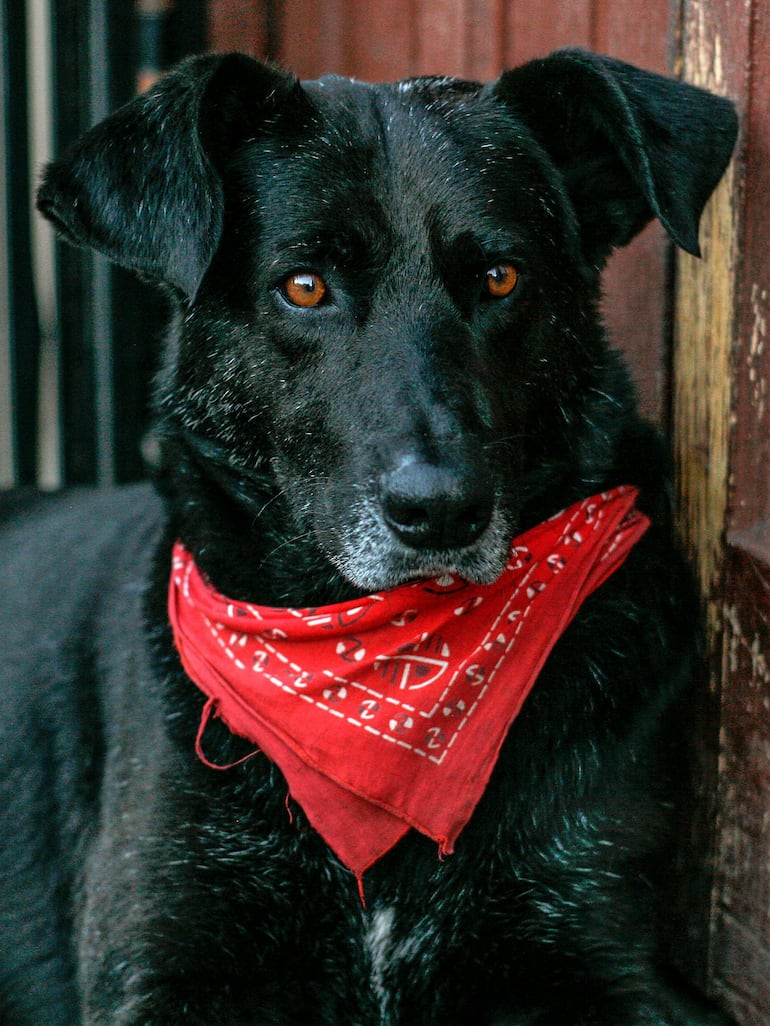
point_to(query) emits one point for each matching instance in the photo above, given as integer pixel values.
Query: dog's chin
(380, 566)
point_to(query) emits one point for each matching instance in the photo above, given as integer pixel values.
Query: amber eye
(501, 280)
(304, 289)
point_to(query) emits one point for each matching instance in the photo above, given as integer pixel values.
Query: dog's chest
(380, 940)
(399, 948)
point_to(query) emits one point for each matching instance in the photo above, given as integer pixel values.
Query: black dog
(385, 364)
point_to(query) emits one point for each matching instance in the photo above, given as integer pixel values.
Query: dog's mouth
(371, 556)
(375, 574)
(417, 519)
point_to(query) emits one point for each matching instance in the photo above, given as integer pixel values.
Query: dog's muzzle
(418, 519)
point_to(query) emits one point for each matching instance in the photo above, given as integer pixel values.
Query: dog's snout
(436, 507)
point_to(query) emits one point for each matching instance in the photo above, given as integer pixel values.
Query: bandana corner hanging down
(388, 712)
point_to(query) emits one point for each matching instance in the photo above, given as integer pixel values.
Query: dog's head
(387, 341)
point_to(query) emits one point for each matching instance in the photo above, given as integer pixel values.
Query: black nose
(436, 507)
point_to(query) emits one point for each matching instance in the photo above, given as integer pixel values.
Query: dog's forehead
(419, 108)
(435, 141)
(427, 91)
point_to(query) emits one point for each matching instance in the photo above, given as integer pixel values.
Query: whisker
(284, 544)
(498, 443)
(272, 499)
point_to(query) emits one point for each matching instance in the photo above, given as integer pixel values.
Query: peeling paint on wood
(725, 491)
(722, 432)
(757, 342)
(740, 940)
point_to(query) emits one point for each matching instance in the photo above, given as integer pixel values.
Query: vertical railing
(40, 79)
(19, 339)
(99, 298)
(83, 72)
(7, 474)
(78, 338)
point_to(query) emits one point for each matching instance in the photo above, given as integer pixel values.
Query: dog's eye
(304, 289)
(501, 280)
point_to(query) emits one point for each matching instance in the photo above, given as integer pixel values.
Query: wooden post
(722, 425)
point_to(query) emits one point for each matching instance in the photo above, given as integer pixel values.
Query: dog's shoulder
(63, 559)
(45, 532)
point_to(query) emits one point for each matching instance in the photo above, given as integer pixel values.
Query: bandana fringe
(209, 710)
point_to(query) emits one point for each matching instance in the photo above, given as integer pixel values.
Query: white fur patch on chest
(379, 942)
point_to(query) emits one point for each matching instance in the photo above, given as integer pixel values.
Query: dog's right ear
(630, 144)
(143, 187)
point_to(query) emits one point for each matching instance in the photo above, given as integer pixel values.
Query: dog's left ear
(630, 144)
(144, 186)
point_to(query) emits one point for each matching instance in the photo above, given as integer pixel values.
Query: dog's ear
(630, 144)
(143, 187)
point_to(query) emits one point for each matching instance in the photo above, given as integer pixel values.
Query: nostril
(406, 514)
(428, 506)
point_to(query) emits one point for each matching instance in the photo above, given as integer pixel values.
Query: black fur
(139, 886)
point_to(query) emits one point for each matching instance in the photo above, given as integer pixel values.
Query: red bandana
(388, 712)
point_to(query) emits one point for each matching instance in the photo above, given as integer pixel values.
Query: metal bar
(23, 340)
(7, 474)
(99, 299)
(43, 249)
